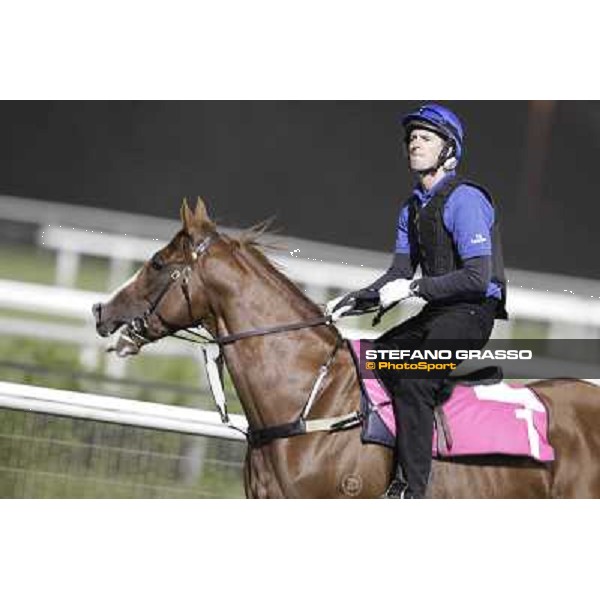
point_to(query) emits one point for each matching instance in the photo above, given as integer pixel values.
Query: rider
(450, 228)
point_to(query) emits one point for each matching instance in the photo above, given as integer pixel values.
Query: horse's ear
(201, 214)
(187, 216)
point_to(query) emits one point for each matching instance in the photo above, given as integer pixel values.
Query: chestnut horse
(230, 287)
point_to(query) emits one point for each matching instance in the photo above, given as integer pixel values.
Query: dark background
(328, 171)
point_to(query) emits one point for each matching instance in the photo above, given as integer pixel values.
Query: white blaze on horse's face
(424, 149)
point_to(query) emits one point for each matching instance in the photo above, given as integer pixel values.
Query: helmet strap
(447, 159)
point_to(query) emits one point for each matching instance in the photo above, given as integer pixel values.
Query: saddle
(485, 376)
(476, 414)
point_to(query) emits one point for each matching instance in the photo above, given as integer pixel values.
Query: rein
(211, 351)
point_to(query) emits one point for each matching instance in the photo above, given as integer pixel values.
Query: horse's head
(157, 300)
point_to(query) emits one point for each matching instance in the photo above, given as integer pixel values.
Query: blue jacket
(468, 216)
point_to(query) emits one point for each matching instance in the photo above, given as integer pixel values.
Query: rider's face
(424, 149)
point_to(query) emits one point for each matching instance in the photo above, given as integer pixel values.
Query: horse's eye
(157, 263)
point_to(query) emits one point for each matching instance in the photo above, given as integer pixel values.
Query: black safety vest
(432, 245)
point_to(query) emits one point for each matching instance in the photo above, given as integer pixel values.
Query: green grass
(93, 274)
(37, 265)
(40, 352)
(37, 316)
(27, 263)
(529, 330)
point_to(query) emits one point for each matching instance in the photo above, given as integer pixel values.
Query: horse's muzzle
(104, 328)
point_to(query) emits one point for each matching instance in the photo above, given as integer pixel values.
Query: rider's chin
(419, 163)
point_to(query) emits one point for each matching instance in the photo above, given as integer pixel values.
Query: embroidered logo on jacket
(478, 239)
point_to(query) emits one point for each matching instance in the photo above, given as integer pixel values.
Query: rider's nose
(97, 311)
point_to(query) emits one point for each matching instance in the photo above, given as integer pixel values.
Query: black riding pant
(470, 325)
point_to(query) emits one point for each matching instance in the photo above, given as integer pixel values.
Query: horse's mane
(250, 237)
(250, 240)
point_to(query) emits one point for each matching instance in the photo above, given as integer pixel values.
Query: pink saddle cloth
(500, 418)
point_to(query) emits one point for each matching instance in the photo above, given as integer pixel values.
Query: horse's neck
(273, 374)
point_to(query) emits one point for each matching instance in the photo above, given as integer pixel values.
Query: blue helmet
(440, 120)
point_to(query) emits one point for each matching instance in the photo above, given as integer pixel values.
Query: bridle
(138, 326)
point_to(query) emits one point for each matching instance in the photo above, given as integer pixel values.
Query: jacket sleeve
(473, 278)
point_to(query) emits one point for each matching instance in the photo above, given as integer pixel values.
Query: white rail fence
(72, 217)
(570, 313)
(124, 251)
(108, 409)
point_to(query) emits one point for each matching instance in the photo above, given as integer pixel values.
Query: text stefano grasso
(373, 354)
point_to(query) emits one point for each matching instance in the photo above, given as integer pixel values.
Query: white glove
(333, 303)
(340, 311)
(394, 291)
